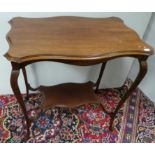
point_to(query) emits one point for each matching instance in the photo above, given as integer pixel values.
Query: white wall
(148, 84)
(48, 73)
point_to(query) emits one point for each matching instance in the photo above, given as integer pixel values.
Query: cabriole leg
(14, 84)
(141, 74)
(26, 82)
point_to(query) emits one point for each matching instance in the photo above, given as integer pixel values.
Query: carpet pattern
(135, 121)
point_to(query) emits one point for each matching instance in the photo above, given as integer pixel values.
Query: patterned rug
(135, 121)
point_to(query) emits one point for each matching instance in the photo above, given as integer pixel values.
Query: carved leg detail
(100, 76)
(26, 82)
(141, 74)
(15, 88)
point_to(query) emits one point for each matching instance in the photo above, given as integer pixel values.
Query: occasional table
(73, 40)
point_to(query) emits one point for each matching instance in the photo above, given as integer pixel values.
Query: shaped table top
(72, 38)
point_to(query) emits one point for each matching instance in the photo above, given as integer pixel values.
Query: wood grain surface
(72, 38)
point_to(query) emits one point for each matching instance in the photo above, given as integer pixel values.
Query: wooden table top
(72, 38)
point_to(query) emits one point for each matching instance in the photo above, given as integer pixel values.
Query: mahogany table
(72, 40)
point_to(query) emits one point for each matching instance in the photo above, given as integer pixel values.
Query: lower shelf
(68, 95)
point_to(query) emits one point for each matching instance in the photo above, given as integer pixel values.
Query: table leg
(141, 74)
(14, 84)
(100, 76)
(28, 86)
(26, 82)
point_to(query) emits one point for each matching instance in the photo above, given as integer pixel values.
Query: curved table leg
(141, 74)
(26, 82)
(16, 90)
(28, 86)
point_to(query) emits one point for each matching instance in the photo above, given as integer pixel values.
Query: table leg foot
(112, 116)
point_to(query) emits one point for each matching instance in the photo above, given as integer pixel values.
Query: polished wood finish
(73, 40)
(68, 95)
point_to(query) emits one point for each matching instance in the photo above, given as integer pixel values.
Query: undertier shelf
(69, 95)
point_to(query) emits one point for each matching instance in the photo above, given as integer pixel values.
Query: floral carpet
(135, 121)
